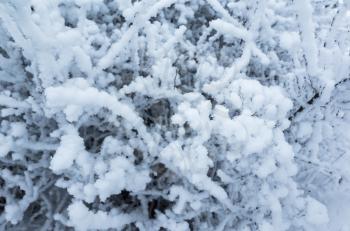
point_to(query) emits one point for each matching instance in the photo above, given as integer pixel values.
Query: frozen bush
(174, 115)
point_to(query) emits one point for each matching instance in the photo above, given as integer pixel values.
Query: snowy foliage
(175, 115)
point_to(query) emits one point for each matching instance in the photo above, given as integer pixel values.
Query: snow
(338, 212)
(308, 41)
(174, 115)
(18, 130)
(304, 130)
(289, 40)
(83, 219)
(71, 146)
(6, 145)
(125, 175)
(78, 94)
(316, 213)
(13, 213)
(229, 29)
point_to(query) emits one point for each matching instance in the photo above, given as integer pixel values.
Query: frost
(13, 213)
(174, 115)
(316, 213)
(71, 146)
(304, 9)
(83, 219)
(288, 40)
(123, 172)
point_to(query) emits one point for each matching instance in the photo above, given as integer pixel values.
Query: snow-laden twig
(138, 23)
(307, 31)
(10, 102)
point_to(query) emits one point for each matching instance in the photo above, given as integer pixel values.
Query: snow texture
(175, 115)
